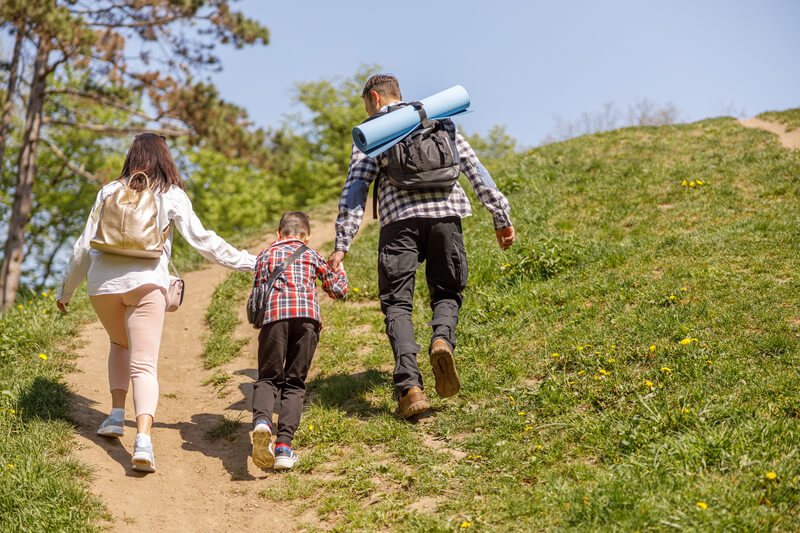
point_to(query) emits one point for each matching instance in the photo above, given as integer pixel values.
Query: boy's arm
(334, 282)
(487, 191)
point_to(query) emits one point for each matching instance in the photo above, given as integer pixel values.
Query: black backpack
(426, 159)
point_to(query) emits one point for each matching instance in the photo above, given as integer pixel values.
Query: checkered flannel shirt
(397, 204)
(294, 294)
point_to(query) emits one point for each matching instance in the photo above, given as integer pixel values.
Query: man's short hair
(383, 84)
(294, 224)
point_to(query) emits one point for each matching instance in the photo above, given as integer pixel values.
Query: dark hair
(149, 153)
(383, 84)
(294, 224)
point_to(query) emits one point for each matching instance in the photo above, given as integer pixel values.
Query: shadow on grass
(348, 392)
(45, 399)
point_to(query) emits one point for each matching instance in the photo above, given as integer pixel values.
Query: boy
(288, 337)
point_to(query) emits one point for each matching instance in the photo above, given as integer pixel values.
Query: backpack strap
(280, 269)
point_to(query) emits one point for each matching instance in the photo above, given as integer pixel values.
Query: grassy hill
(631, 364)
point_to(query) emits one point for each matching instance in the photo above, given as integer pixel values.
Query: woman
(129, 294)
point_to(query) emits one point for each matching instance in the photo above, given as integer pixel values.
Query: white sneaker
(285, 458)
(143, 458)
(111, 427)
(263, 452)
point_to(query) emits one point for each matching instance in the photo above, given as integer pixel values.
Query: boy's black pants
(285, 351)
(404, 245)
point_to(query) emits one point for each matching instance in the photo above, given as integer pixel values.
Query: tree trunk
(5, 121)
(21, 211)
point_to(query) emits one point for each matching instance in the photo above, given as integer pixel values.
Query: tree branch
(72, 166)
(167, 132)
(104, 100)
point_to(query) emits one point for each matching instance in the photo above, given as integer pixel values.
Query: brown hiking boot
(412, 403)
(444, 369)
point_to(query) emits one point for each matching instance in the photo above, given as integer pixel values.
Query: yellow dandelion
(597, 377)
(43, 357)
(671, 296)
(44, 294)
(19, 306)
(653, 348)
(612, 360)
(709, 362)
(555, 354)
(702, 505)
(699, 182)
(683, 183)
(666, 369)
(529, 428)
(521, 413)
(684, 410)
(771, 475)
(579, 348)
(613, 346)
(311, 427)
(570, 382)
(648, 383)
(355, 289)
(684, 289)
(465, 525)
(685, 341)
(603, 371)
(539, 447)
(581, 372)
(10, 465)
(691, 184)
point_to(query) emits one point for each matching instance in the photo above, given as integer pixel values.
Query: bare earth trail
(200, 484)
(789, 139)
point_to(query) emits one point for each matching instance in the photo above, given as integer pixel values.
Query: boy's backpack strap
(280, 269)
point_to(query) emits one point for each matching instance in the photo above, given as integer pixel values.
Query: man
(417, 226)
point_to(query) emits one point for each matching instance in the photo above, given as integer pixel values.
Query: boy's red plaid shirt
(294, 294)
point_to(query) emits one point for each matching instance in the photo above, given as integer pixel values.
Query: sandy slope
(200, 485)
(789, 140)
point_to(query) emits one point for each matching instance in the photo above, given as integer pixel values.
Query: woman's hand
(62, 306)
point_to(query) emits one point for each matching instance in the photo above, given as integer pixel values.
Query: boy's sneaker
(285, 458)
(143, 458)
(263, 454)
(111, 427)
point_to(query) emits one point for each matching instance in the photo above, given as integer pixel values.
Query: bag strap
(283, 266)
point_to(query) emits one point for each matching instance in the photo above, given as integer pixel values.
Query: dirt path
(200, 484)
(789, 140)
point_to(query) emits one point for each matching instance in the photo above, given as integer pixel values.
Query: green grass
(581, 409)
(222, 319)
(789, 117)
(224, 428)
(42, 488)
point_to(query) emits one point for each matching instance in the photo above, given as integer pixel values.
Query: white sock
(143, 439)
(117, 413)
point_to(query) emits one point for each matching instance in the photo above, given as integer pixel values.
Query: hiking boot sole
(263, 455)
(444, 372)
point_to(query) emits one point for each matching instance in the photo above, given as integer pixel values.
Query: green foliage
(41, 486)
(312, 151)
(497, 144)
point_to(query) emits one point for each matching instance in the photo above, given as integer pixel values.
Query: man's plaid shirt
(398, 204)
(294, 294)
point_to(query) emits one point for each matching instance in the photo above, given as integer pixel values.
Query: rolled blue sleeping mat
(378, 135)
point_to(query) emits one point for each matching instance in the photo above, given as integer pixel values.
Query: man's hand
(62, 307)
(505, 237)
(335, 259)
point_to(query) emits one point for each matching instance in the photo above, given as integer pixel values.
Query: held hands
(335, 261)
(505, 237)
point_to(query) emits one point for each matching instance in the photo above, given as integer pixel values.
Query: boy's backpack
(259, 296)
(128, 223)
(426, 159)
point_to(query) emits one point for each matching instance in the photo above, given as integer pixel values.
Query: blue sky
(526, 63)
